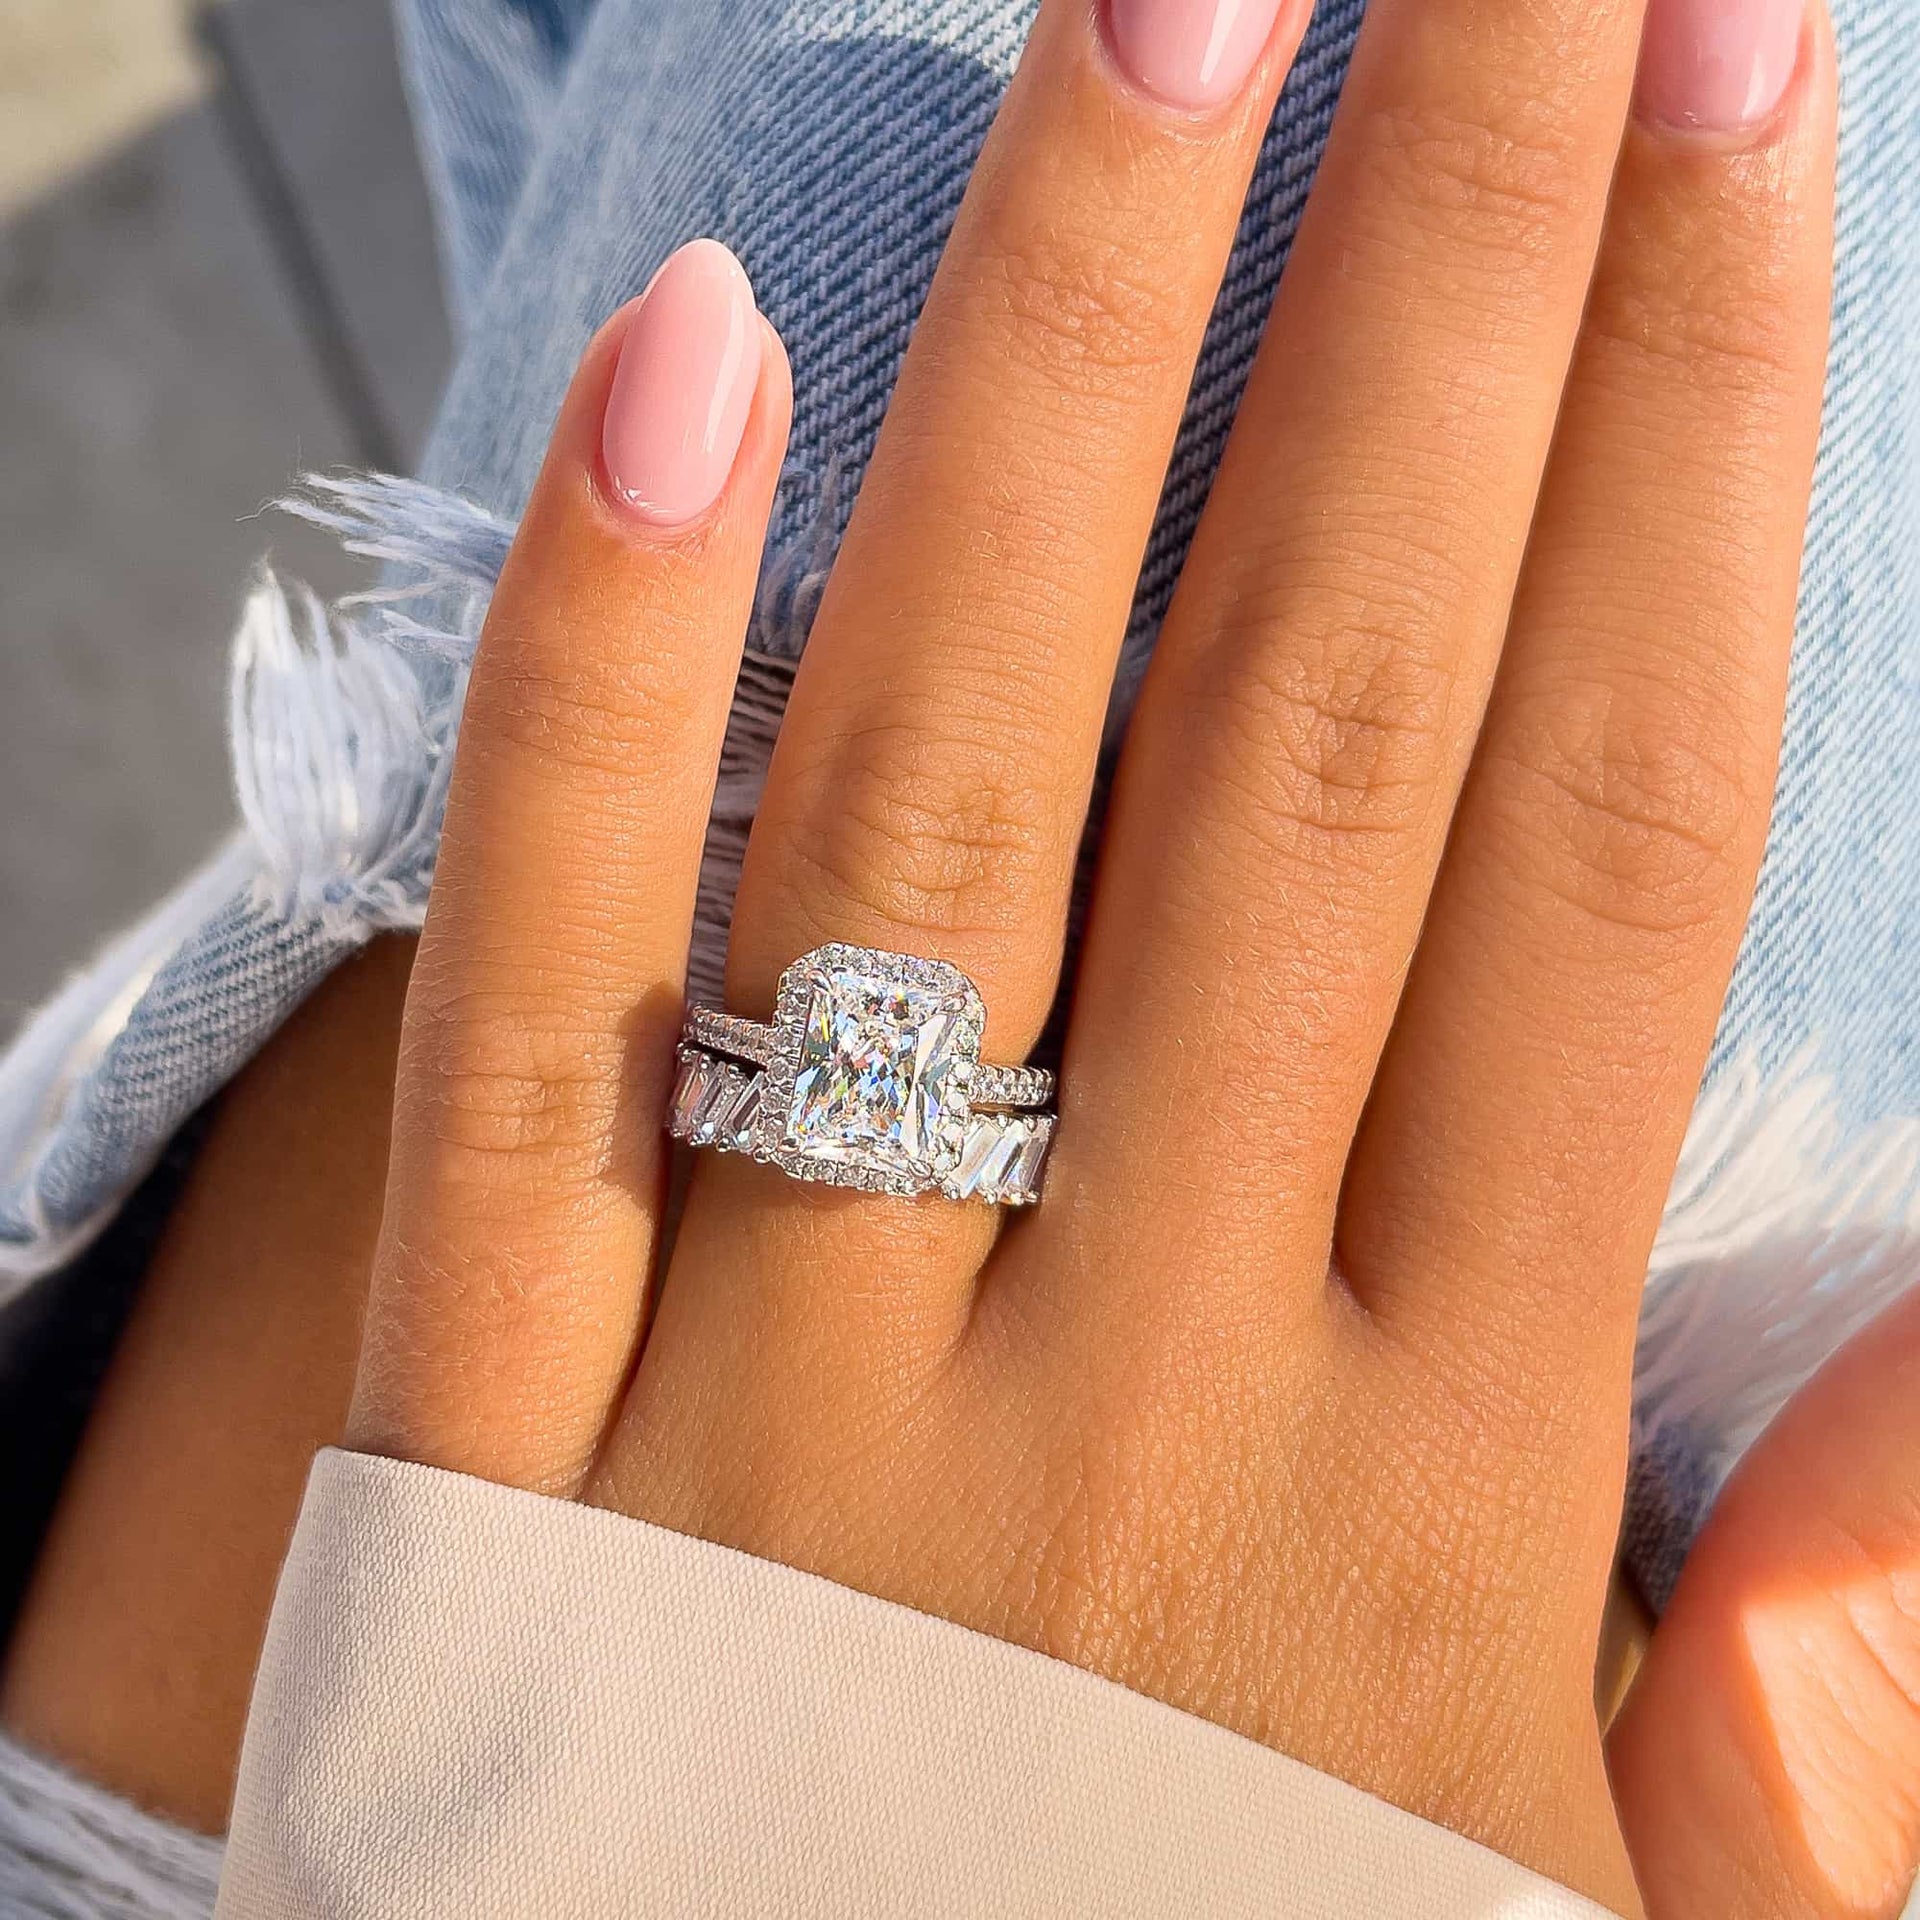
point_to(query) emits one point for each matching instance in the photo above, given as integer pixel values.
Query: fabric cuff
(482, 1703)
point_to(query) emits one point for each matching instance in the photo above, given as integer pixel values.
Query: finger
(1767, 1761)
(931, 778)
(528, 1150)
(1284, 794)
(1558, 1016)
(930, 783)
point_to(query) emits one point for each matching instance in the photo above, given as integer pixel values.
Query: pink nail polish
(1717, 66)
(1192, 54)
(683, 387)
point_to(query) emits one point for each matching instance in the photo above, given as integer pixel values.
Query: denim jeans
(570, 145)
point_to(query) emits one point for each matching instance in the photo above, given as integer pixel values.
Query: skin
(1783, 1687)
(1433, 839)
(133, 1656)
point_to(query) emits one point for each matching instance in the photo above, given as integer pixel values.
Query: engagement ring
(869, 1075)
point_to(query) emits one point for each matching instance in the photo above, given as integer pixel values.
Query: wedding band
(869, 1075)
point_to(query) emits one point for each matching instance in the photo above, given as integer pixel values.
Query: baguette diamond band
(869, 1075)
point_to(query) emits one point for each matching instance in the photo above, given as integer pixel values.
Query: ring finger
(931, 779)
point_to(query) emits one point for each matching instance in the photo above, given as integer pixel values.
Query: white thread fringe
(72, 1851)
(338, 765)
(341, 719)
(1784, 1234)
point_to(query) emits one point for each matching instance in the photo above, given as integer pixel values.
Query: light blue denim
(571, 144)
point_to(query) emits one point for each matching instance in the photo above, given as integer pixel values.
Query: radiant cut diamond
(869, 1076)
(881, 1076)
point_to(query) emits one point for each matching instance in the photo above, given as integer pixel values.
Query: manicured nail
(1192, 54)
(683, 388)
(1717, 66)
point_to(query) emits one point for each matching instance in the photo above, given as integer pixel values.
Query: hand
(1305, 1419)
(1299, 1403)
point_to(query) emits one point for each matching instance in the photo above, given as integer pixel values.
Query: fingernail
(1717, 66)
(683, 387)
(1191, 54)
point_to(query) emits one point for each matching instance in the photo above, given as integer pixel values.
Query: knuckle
(1077, 310)
(499, 1098)
(1882, 1618)
(928, 836)
(1836, 1650)
(1334, 741)
(1678, 304)
(1508, 190)
(1644, 823)
(598, 714)
(465, 1325)
(449, 1301)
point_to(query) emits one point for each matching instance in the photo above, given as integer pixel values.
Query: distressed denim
(570, 145)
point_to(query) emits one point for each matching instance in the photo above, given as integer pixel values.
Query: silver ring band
(869, 1075)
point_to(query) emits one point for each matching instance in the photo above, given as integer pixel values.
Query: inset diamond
(715, 1103)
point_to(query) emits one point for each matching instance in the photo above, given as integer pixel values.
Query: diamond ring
(869, 1075)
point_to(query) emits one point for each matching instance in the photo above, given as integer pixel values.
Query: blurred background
(216, 269)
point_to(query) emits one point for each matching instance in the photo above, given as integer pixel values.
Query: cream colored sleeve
(477, 1704)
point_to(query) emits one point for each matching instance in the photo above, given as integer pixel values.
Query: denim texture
(571, 144)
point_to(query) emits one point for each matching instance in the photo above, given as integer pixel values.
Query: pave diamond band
(1012, 1088)
(869, 1075)
(753, 1040)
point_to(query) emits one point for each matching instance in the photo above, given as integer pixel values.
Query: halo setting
(871, 1078)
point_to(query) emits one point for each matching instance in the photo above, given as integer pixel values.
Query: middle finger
(1324, 665)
